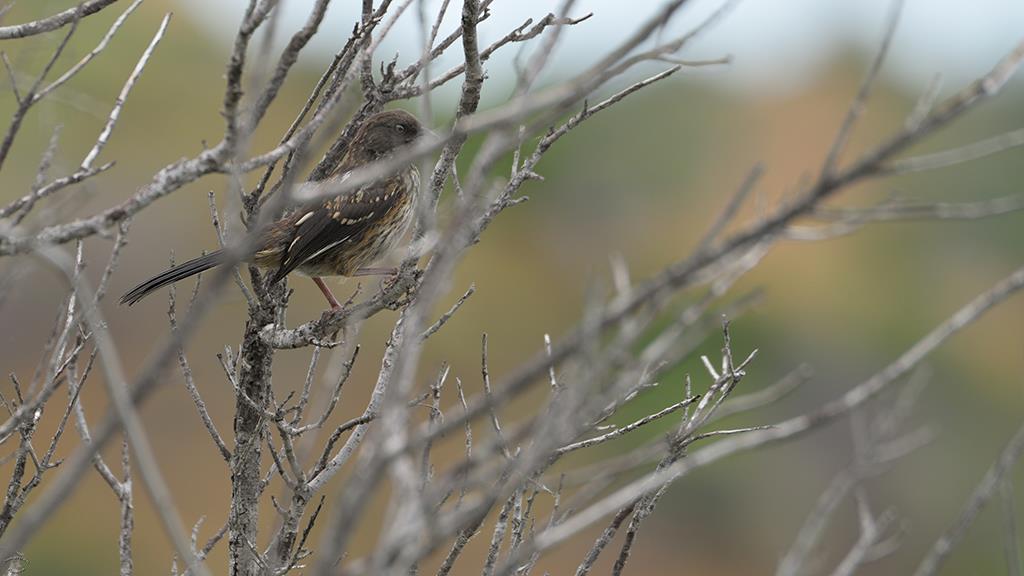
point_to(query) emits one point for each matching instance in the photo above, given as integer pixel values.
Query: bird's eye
(400, 127)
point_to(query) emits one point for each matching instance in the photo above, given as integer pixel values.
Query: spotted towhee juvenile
(338, 236)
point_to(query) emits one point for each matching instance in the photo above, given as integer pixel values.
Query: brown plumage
(338, 236)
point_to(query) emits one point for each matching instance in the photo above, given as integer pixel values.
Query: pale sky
(776, 44)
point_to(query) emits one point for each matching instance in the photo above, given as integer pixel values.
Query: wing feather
(345, 219)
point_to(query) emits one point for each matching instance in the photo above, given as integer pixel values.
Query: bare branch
(115, 113)
(795, 426)
(960, 154)
(860, 100)
(980, 497)
(448, 315)
(58, 20)
(88, 57)
(125, 410)
(627, 428)
(186, 372)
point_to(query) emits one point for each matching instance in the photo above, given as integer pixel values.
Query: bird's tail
(172, 275)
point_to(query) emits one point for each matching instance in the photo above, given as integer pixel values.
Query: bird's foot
(388, 282)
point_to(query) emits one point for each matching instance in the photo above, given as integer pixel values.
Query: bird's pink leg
(327, 293)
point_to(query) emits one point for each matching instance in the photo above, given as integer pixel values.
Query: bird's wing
(336, 221)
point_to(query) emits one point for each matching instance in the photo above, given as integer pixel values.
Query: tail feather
(172, 275)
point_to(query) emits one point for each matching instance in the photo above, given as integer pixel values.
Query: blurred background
(644, 180)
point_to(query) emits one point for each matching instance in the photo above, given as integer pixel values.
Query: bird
(338, 236)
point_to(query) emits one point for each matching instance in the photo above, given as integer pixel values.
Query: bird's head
(384, 132)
